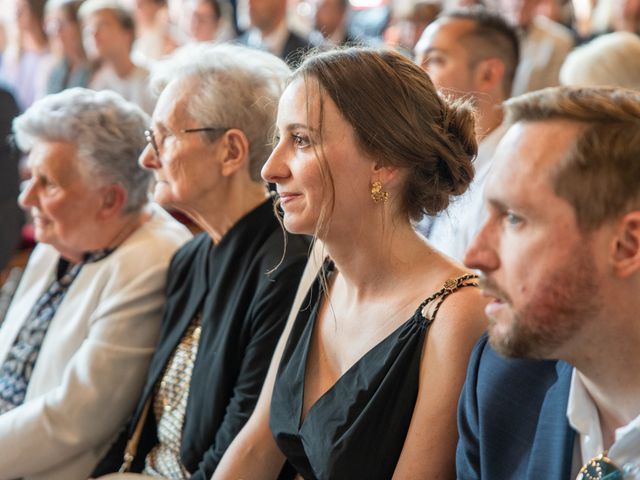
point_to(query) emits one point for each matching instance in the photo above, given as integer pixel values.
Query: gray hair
(107, 130)
(235, 87)
(609, 60)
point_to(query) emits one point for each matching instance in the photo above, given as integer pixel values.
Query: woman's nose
(149, 159)
(276, 168)
(27, 197)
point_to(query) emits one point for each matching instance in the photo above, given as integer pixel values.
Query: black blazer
(244, 310)
(10, 213)
(512, 419)
(295, 49)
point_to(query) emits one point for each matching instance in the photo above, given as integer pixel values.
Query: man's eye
(512, 218)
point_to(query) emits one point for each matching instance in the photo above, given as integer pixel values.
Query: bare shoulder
(460, 320)
(464, 303)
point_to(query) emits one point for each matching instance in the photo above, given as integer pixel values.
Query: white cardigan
(94, 358)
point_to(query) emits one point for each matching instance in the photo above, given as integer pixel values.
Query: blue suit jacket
(512, 419)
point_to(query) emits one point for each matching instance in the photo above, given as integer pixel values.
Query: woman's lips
(39, 220)
(286, 197)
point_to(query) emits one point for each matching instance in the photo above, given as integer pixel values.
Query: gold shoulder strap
(428, 311)
(132, 444)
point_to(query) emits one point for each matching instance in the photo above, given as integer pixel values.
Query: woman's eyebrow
(295, 126)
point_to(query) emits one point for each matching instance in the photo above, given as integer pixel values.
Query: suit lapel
(552, 450)
(182, 308)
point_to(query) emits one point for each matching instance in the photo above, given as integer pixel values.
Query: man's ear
(489, 74)
(626, 249)
(114, 197)
(236, 151)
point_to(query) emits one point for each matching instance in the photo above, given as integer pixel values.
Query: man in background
(471, 54)
(330, 23)
(269, 31)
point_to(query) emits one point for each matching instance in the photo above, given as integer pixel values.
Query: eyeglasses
(600, 468)
(150, 136)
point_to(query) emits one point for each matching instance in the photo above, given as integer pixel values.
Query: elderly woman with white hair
(230, 288)
(76, 341)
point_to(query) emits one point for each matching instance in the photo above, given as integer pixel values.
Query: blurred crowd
(47, 46)
(123, 120)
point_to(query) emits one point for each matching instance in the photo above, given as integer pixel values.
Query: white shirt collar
(486, 148)
(583, 417)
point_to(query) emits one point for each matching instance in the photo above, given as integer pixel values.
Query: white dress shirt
(452, 231)
(584, 419)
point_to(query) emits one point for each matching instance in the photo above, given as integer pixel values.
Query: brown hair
(37, 11)
(123, 16)
(600, 177)
(400, 120)
(36, 8)
(215, 6)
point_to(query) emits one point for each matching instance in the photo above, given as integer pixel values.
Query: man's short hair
(492, 36)
(600, 177)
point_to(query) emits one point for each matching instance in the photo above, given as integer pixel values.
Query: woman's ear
(113, 199)
(236, 151)
(387, 175)
(626, 249)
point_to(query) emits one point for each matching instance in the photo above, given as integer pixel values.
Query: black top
(244, 311)
(10, 212)
(358, 427)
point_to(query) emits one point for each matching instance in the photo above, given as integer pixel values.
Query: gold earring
(378, 194)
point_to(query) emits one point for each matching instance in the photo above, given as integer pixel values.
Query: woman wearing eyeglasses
(229, 289)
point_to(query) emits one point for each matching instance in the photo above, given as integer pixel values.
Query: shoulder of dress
(430, 306)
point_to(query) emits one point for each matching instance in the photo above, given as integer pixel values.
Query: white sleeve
(101, 382)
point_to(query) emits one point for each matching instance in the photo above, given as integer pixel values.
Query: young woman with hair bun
(366, 379)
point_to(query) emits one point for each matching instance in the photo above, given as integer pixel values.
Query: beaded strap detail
(450, 286)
